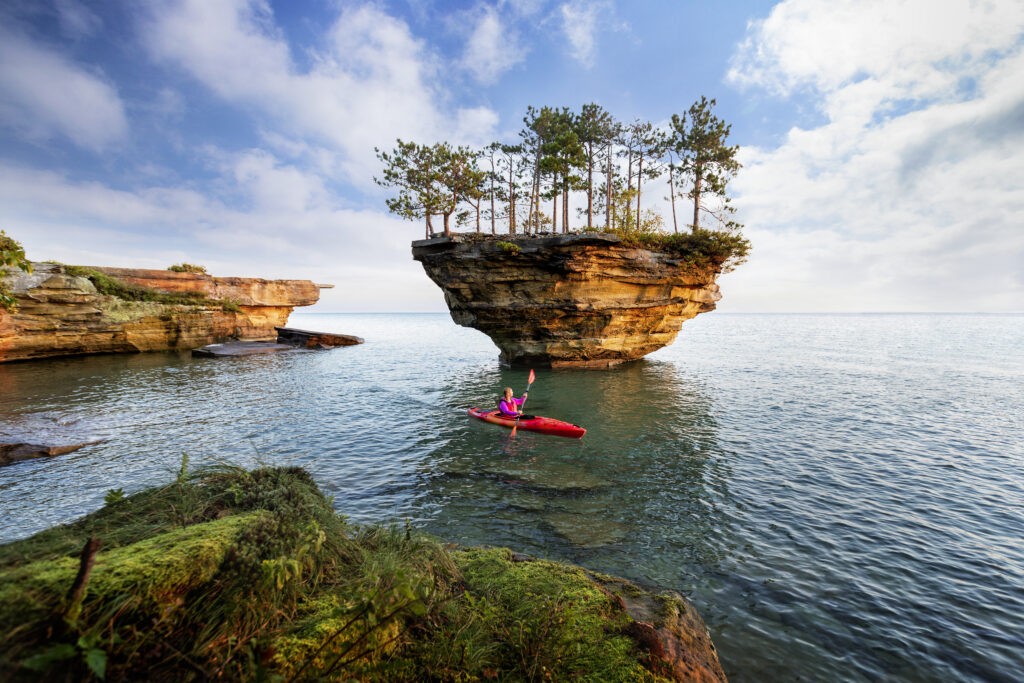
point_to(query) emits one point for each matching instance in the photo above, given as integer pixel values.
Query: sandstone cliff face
(577, 300)
(63, 315)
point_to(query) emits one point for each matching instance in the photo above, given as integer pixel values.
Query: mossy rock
(252, 576)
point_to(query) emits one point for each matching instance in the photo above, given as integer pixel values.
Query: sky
(882, 142)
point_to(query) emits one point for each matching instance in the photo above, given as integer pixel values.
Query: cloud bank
(908, 195)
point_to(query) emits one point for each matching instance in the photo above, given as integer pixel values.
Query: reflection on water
(840, 496)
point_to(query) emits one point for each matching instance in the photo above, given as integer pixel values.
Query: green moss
(534, 620)
(246, 575)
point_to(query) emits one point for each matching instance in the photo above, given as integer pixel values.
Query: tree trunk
(493, 219)
(608, 193)
(672, 196)
(511, 203)
(478, 217)
(590, 189)
(554, 207)
(639, 179)
(696, 200)
(427, 227)
(565, 205)
(447, 232)
(629, 173)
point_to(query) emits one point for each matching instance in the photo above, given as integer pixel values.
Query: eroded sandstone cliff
(576, 300)
(62, 314)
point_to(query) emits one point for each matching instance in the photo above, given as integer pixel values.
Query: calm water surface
(842, 497)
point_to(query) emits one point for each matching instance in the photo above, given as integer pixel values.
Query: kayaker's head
(508, 393)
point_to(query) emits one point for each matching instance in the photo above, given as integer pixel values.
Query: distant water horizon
(839, 494)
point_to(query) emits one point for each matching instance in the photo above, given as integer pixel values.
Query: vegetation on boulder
(251, 575)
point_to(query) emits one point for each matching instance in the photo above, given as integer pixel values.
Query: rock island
(588, 299)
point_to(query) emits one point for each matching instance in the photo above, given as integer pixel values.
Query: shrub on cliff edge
(719, 249)
(187, 268)
(11, 254)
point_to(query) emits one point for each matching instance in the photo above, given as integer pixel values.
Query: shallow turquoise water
(841, 496)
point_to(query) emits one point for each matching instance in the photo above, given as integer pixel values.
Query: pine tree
(705, 160)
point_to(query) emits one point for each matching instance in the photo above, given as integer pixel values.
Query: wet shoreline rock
(11, 453)
(288, 339)
(315, 340)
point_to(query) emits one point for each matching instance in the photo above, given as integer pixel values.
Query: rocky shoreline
(61, 312)
(247, 575)
(586, 299)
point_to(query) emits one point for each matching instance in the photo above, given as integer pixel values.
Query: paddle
(529, 383)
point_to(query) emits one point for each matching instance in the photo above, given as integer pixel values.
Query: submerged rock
(11, 453)
(241, 348)
(552, 476)
(573, 300)
(586, 531)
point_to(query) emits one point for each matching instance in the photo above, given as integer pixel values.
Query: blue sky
(881, 141)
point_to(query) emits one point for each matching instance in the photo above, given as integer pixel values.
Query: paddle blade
(513, 434)
(532, 377)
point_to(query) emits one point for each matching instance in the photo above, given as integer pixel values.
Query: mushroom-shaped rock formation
(573, 300)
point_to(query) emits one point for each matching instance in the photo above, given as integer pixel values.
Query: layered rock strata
(60, 314)
(575, 300)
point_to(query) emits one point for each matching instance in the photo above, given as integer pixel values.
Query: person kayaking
(509, 404)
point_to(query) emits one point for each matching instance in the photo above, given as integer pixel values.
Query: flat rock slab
(552, 476)
(315, 340)
(586, 531)
(11, 453)
(241, 348)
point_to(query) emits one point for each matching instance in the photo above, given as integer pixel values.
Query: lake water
(841, 496)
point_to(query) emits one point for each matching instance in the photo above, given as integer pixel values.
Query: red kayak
(544, 425)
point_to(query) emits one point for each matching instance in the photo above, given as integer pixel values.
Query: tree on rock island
(706, 162)
(556, 158)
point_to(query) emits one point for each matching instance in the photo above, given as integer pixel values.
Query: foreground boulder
(573, 300)
(252, 576)
(62, 312)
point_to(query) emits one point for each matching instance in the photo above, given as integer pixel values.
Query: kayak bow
(543, 425)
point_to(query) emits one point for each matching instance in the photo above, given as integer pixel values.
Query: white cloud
(372, 82)
(579, 21)
(45, 96)
(907, 197)
(261, 218)
(493, 47)
(76, 20)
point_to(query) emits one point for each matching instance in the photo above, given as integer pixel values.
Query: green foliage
(718, 249)
(230, 306)
(509, 247)
(113, 496)
(11, 255)
(187, 268)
